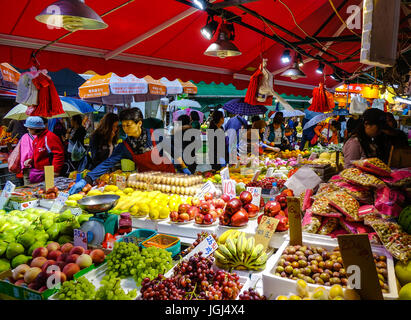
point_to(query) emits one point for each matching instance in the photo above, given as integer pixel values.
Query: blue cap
(274, 184)
(34, 123)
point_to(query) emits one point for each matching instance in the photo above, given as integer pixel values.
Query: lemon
(75, 197)
(154, 214)
(71, 203)
(282, 298)
(110, 188)
(164, 212)
(94, 192)
(336, 291)
(294, 297)
(128, 190)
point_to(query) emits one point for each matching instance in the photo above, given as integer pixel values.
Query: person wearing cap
(365, 142)
(47, 149)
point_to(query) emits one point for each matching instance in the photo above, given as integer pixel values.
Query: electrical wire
(307, 35)
(342, 20)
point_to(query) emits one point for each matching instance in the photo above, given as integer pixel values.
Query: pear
(20, 259)
(27, 239)
(3, 247)
(14, 249)
(4, 265)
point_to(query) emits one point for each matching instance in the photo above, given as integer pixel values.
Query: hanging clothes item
(322, 101)
(358, 104)
(259, 87)
(379, 104)
(27, 93)
(49, 103)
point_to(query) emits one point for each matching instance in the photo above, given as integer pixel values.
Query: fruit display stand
(274, 286)
(189, 230)
(147, 223)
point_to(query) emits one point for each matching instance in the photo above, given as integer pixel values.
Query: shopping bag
(36, 175)
(77, 152)
(14, 160)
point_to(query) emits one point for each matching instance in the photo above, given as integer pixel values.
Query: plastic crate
(140, 235)
(163, 241)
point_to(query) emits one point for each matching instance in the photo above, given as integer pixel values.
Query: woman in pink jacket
(26, 154)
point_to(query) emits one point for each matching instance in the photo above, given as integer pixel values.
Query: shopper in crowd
(276, 132)
(187, 166)
(343, 125)
(195, 120)
(352, 124)
(16, 128)
(104, 139)
(365, 141)
(138, 146)
(217, 159)
(26, 155)
(393, 137)
(334, 136)
(232, 130)
(47, 150)
(391, 122)
(77, 132)
(60, 130)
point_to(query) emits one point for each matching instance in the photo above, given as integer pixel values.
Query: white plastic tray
(274, 286)
(189, 230)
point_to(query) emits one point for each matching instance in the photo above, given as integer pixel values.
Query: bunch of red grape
(267, 183)
(193, 279)
(251, 294)
(200, 237)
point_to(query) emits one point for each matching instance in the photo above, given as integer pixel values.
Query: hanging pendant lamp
(294, 72)
(71, 15)
(223, 47)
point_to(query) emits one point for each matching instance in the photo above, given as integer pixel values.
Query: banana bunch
(230, 233)
(240, 253)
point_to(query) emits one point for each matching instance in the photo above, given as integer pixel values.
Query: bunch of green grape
(152, 262)
(80, 289)
(121, 261)
(112, 290)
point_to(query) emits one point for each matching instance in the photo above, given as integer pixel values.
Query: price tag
(6, 193)
(265, 230)
(225, 174)
(130, 239)
(270, 172)
(256, 192)
(80, 238)
(294, 220)
(59, 202)
(256, 174)
(49, 177)
(356, 254)
(207, 187)
(121, 182)
(76, 211)
(229, 188)
(207, 247)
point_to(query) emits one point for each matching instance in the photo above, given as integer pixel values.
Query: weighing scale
(102, 222)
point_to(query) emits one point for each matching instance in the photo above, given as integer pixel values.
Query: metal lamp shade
(294, 72)
(71, 15)
(222, 48)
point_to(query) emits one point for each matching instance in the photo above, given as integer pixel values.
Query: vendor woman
(137, 147)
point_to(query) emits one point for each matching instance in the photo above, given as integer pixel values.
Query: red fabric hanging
(251, 95)
(321, 100)
(49, 100)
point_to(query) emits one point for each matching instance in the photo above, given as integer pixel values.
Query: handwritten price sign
(294, 218)
(6, 193)
(265, 230)
(229, 188)
(256, 192)
(80, 238)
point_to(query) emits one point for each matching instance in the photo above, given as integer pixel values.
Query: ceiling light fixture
(223, 47)
(299, 59)
(200, 4)
(294, 72)
(320, 69)
(71, 15)
(286, 57)
(210, 28)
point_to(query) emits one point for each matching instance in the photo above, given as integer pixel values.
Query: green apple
(405, 292)
(403, 272)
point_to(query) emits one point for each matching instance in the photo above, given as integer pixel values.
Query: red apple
(208, 196)
(97, 255)
(70, 269)
(251, 209)
(225, 219)
(184, 217)
(40, 252)
(199, 218)
(262, 204)
(174, 216)
(208, 219)
(77, 250)
(219, 203)
(214, 214)
(246, 197)
(219, 211)
(271, 208)
(183, 208)
(211, 204)
(53, 255)
(195, 201)
(204, 208)
(66, 248)
(72, 258)
(233, 206)
(225, 197)
(193, 211)
(240, 218)
(259, 218)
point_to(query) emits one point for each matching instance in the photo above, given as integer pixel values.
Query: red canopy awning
(162, 38)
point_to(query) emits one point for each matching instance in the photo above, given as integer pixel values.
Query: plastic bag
(373, 166)
(399, 178)
(357, 177)
(388, 201)
(310, 223)
(14, 160)
(77, 152)
(328, 225)
(367, 210)
(321, 207)
(346, 204)
(360, 193)
(324, 189)
(354, 227)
